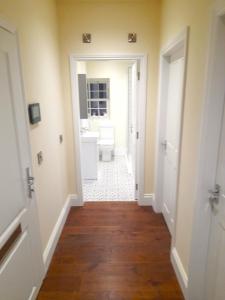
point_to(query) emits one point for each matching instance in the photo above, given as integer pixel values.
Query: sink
(89, 136)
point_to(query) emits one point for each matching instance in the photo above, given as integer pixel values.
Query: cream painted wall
(176, 14)
(36, 22)
(219, 5)
(109, 22)
(117, 72)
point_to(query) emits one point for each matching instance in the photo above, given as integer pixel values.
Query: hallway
(112, 251)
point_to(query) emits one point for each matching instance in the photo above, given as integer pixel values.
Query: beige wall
(176, 14)
(117, 72)
(109, 22)
(36, 22)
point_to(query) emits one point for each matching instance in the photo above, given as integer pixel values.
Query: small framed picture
(86, 37)
(34, 113)
(132, 37)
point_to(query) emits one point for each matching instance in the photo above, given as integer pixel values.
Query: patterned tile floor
(114, 182)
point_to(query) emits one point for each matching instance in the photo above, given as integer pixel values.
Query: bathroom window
(98, 97)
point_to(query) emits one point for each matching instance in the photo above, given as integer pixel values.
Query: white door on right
(215, 274)
(132, 96)
(171, 139)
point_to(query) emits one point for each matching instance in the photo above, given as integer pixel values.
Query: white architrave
(142, 61)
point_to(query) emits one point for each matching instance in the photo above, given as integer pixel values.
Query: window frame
(99, 81)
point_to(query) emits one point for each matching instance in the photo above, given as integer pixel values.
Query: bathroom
(107, 129)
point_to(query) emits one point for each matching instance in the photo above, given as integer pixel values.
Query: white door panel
(130, 123)
(132, 117)
(172, 138)
(21, 265)
(9, 149)
(215, 279)
(132, 95)
(18, 260)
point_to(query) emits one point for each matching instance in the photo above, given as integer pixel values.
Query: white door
(21, 266)
(171, 139)
(215, 279)
(132, 95)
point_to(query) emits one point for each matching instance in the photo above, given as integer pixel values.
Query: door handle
(164, 145)
(214, 196)
(30, 183)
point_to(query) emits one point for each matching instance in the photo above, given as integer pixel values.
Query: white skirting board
(180, 272)
(147, 200)
(71, 200)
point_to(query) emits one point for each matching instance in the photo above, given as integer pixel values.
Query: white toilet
(106, 141)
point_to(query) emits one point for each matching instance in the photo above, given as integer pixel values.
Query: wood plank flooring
(112, 251)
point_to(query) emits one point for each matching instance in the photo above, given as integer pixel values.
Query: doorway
(170, 115)
(113, 152)
(104, 115)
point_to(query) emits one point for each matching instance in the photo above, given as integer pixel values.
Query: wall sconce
(132, 37)
(86, 38)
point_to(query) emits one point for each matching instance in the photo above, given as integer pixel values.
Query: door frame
(180, 42)
(207, 158)
(142, 62)
(40, 270)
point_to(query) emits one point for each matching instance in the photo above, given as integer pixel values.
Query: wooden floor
(112, 251)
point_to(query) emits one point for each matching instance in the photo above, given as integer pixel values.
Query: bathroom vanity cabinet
(89, 155)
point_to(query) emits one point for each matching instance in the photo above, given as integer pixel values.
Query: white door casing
(142, 62)
(18, 212)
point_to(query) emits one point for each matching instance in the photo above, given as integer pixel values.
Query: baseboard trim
(72, 200)
(34, 293)
(180, 272)
(147, 200)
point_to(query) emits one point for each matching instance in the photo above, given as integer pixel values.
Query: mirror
(82, 84)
